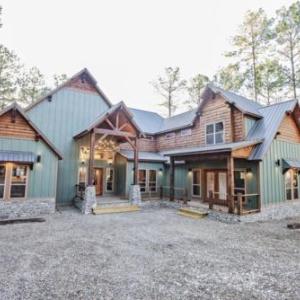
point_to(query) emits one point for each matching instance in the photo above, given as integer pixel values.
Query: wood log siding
(17, 129)
(216, 110)
(288, 130)
(144, 145)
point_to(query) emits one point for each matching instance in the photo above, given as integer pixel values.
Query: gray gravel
(154, 254)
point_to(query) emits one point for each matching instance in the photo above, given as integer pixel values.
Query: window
(239, 182)
(18, 181)
(148, 180)
(109, 179)
(291, 184)
(2, 180)
(152, 180)
(82, 175)
(142, 180)
(215, 133)
(170, 135)
(196, 183)
(185, 132)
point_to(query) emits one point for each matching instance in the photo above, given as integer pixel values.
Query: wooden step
(117, 209)
(192, 213)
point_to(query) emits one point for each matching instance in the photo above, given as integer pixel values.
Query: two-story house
(226, 149)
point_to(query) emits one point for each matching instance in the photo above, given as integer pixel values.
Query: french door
(291, 185)
(216, 182)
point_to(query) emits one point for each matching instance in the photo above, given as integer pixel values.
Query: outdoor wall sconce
(248, 170)
(38, 158)
(277, 162)
(160, 170)
(190, 169)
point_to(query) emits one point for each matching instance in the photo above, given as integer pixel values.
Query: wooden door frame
(216, 183)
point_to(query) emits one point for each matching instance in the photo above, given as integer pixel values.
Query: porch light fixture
(190, 169)
(160, 170)
(248, 170)
(277, 162)
(38, 158)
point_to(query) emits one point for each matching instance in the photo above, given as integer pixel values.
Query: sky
(125, 44)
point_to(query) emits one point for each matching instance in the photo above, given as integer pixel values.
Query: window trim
(200, 172)
(214, 133)
(291, 187)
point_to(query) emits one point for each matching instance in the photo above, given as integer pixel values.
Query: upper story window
(185, 132)
(215, 133)
(170, 135)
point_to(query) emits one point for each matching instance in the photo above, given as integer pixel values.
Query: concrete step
(115, 209)
(192, 213)
(120, 203)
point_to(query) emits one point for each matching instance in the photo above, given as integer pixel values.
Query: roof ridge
(278, 103)
(148, 111)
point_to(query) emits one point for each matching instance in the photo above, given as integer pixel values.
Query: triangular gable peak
(117, 121)
(289, 128)
(82, 80)
(15, 124)
(242, 104)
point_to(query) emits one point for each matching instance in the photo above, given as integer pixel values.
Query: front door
(222, 185)
(98, 181)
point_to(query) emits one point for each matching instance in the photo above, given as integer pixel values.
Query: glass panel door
(222, 176)
(18, 181)
(2, 180)
(196, 189)
(210, 183)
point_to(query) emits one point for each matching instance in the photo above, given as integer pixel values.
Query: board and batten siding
(272, 178)
(43, 177)
(69, 112)
(248, 123)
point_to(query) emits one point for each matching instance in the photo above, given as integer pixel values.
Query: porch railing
(243, 203)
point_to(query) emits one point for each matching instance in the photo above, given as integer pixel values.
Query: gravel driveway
(154, 254)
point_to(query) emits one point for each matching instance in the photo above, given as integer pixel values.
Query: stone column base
(89, 201)
(135, 194)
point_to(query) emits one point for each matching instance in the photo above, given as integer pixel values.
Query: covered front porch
(99, 163)
(219, 177)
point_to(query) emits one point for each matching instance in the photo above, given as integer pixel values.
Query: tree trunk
(293, 76)
(254, 66)
(170, 104)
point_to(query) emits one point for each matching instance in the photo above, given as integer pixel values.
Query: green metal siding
(43, 177)
(248, 123)
(69, 112)
(272, 179)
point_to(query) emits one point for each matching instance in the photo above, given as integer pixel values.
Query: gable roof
(243, 104)
(102, 117)
(84, 71)
(266, 128)
(18, 108)
(153, 123)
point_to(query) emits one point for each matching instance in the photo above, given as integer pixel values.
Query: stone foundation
(32, 207)
(89, 201)
(135, 195)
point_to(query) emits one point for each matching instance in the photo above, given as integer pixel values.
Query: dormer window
(215, 133)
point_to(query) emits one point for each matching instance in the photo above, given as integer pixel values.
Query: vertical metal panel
(272, 179)
(69, 112)
(43, 177)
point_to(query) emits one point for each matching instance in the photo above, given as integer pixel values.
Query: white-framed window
(18, 182)
(291, 185)
(148, 180)
(152, 181)
(142, 180)
(186, 132)
(2, 180)
(170, 135)
(215, 133)
(196, 182)
(109, 179)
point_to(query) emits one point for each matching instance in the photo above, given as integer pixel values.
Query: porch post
(230, 183)
(136, 162)
(172, 177)
(91, 159)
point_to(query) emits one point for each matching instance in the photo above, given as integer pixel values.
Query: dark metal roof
(17, 156)
(266, 128)
(144, 156)
(153, 123)
(244, 104)
(290, 163)
(211, 148)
